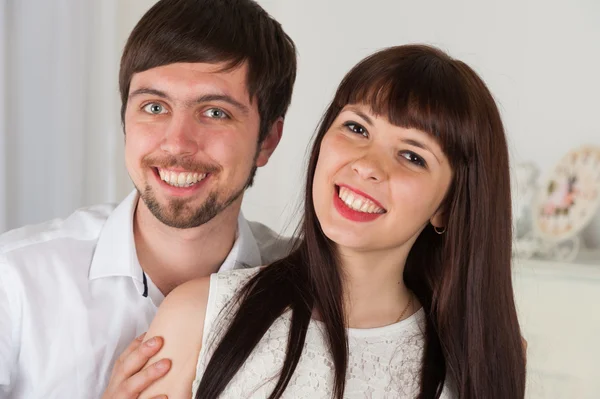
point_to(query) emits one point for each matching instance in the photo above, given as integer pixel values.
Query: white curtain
(3, 163)
(60, 135)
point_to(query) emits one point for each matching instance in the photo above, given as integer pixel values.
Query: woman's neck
(374, 291)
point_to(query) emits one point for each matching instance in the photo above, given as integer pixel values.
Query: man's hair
(216, 31)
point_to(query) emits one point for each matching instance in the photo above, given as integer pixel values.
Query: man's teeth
(180, 179)
(358, 202)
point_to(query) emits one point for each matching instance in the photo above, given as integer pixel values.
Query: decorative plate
(570, 196)
(523, 182)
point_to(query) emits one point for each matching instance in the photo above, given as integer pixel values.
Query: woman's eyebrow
(361, 114)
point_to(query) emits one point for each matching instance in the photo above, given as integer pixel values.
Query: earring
(438, 230)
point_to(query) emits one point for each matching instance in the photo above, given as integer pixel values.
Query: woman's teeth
(180, 179)
(358, 202)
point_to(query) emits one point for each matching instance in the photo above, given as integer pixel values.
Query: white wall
(540, 59)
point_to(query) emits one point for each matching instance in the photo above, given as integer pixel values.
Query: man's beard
(178, 214)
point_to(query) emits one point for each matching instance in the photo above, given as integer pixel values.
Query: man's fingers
(142, 380)
(139, 357)
(127, 381)
(132, 346)
(117, 375)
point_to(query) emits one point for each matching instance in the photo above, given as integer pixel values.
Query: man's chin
(177, 223)
(173, 213)
(186, 213)
(184, 216)
(181, 220)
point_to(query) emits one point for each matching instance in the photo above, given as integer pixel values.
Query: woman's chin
(349, 239)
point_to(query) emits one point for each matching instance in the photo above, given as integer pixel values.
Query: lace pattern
(374, 371)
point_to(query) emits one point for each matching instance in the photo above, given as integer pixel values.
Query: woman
(400, 283)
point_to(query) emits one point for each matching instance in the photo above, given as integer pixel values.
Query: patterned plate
(569, 198)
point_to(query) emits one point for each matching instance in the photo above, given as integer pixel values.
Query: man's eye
(216, 113)
(356, 128)
(155, 108)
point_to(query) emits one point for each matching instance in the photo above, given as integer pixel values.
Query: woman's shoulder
(183, 309)
(188, 296)
(192, 299)
(180, 323)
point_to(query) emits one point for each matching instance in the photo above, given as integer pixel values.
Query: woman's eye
(155, 109)
(215, 113)
(413, 158)
(356, 128)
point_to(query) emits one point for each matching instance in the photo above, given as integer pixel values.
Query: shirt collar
(115, 253)
(245, 251)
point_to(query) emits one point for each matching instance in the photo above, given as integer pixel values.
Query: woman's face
(376, 185)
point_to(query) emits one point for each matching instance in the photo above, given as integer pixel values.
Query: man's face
(192, 140)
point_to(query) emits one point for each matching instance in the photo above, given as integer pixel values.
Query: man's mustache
(188, 164)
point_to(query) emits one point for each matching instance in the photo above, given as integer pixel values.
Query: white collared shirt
(72, 298)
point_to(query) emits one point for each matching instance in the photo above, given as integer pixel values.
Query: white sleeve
(6, 335)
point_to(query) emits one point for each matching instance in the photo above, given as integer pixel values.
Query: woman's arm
(180, 322)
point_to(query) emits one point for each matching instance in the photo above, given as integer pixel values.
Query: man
(205, 85)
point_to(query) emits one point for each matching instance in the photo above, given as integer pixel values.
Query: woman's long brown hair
(462, 278)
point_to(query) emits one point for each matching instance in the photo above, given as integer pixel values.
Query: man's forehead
(195, 79)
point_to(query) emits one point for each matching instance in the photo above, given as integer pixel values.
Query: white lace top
(383, 362)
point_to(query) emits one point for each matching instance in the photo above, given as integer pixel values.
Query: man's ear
(270, 142)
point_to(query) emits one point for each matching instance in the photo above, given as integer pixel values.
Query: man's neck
(171, 256)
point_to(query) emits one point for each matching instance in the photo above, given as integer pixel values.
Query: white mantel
(559, 310)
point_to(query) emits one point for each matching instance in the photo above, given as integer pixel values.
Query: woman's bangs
(423, 100)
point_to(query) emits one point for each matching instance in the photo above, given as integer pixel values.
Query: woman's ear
(439, 219)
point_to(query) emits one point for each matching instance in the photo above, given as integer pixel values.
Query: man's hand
(128, 379)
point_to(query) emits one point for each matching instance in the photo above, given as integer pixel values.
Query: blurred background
(61, 143)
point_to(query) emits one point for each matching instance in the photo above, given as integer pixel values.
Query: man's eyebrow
(147, 90)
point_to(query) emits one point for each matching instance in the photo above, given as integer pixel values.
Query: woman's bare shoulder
(180, 323)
